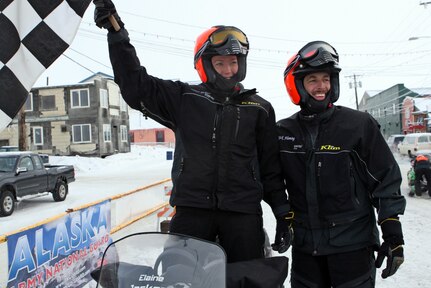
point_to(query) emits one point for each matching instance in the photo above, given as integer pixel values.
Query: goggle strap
(201, 51)
(291, 65)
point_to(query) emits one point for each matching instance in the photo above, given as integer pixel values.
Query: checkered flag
(33, 34)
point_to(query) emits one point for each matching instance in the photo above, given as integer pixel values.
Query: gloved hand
(283, 233)
(391, 247)
(104, 9)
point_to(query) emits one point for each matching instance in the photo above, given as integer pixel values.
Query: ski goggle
(220, 36)
(314, 54)
(312, 49)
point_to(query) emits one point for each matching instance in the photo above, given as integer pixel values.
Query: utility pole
(22, 137)
(355, 85)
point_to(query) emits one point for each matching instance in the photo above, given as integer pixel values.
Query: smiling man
(337, 169)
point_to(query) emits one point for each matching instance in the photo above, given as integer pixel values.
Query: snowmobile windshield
(161, 260)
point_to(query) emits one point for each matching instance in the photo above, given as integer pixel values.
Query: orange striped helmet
(314, 57)
(220, 40)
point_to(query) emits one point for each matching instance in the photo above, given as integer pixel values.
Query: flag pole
(114, 23)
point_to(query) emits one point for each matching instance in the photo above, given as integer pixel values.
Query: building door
(115, 139)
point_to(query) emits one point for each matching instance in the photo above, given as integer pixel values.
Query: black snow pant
(241, 235)
(419, 173)
(354, 269)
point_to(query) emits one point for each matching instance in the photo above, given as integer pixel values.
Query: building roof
(372, 93)
(426, 91)
(95, 75)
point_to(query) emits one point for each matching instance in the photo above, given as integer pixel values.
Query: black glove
(104, 9)
(391, 247)
(283, 233)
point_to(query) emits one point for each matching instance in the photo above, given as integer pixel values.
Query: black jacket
(422, 162)
(226, 154)
(334, 184)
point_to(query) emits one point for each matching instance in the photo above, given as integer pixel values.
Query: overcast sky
(370, 36)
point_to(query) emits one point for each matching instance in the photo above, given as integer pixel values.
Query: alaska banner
(33, 34)
(61, 253)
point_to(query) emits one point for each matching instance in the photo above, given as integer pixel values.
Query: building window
(79, 98)
(37, 135)
(47, 102)
(123, 133)
(81, 133)
(104, 98)
(160, 136)
(28, 105)
(394, 108)
(123, 104)
(107, 132)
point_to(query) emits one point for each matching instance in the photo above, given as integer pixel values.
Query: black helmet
(220, 40)
(316, 56)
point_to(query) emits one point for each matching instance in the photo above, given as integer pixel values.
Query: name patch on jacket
(286, 138)
(289, 143)
(250, 103)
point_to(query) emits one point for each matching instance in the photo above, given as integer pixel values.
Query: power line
(171, 47)
(76, 62)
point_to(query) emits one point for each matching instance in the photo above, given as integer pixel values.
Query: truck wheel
(60, 191)
(7, 203)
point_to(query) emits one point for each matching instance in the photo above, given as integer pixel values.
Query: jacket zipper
(354, 186)
(144, 110)
(215, 148)
(253, 171)
(238, 117)
(181, 165)
(214, 134)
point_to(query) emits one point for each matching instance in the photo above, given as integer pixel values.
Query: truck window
(37, 162)
(7, 164)
(26, 163)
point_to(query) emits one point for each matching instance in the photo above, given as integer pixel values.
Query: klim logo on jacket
(329, 148)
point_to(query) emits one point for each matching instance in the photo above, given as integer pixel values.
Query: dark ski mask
(312, 106)
(225, 84)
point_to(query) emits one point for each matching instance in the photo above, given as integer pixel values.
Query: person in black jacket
(226, 156)
(338, 171)
(422, 167)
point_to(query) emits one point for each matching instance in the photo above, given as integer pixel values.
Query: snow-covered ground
(98, 178)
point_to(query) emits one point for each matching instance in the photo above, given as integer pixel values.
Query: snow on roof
(422, 104)
(422, 91)
(372, 93)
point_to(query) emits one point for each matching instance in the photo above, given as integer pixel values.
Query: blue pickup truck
(25, 173)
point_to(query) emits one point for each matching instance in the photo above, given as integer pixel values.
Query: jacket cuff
(119, 36)
(281, 211)
(392, 231)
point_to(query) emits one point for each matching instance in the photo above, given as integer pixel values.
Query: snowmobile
(169, 260)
